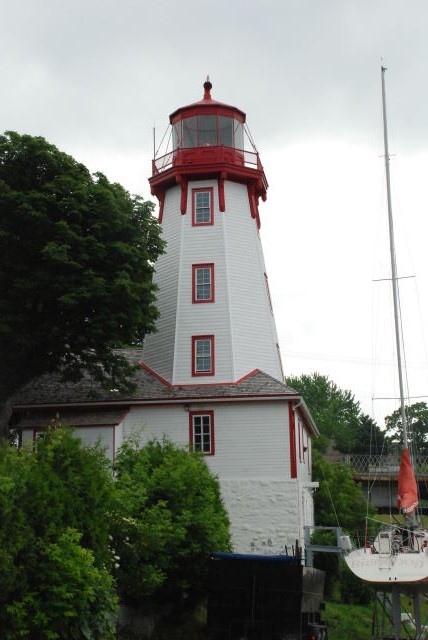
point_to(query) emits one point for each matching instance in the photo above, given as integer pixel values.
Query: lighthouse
(210, 379)
(216, 318)
(216, 342)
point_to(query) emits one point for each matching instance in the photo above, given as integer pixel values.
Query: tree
(169, 517)
(339, 501)
(368, 437)
(337, 415)
(417, 427)
(55, 555)
(76, 264)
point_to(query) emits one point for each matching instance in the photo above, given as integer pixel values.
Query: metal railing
(385, 465)
(249, 159)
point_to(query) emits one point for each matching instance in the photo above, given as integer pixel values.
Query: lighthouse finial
(207, 89)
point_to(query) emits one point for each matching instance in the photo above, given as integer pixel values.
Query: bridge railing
(389, 465)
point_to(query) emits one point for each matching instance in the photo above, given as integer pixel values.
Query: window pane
(225, 131)
(203, 284)
(203, 212)
(202, 433)
(207, 131)
(203, 355)
(239, 135)
(190, 132)
(176, 135)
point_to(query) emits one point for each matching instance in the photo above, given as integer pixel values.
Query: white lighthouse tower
(216, 319)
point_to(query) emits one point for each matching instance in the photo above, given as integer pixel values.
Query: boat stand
(392, 620)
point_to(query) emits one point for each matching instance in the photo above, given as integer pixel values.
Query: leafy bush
(169, 516)
(54, 545)
(68, 596)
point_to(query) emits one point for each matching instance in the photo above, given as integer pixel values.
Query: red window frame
(195, 268)
(195, 370)
(210, 191)
(194, 437)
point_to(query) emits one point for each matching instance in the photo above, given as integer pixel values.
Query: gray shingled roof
(51, 389)
(49, 395)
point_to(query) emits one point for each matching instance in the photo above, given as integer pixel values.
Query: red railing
(202, 155)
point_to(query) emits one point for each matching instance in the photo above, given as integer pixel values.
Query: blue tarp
(261, 558)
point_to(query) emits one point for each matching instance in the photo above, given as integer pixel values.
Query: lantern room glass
(225, 131)
(238, 135)
(190, 132)
(208, 130)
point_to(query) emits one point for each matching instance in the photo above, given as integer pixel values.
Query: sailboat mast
(394, 277)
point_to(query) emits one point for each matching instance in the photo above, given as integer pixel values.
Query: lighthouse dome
(207, 123)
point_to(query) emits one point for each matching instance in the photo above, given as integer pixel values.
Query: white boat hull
(378, 568)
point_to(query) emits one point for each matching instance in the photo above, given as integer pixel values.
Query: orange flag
(407, 487)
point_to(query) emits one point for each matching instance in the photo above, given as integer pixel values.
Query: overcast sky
(93, 77)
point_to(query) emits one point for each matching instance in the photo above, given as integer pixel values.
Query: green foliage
(76, 265)
(417, 427)
(169, 517)
(335, 411)
(368, 438)
(70, 598)
(54, 547)
(348, 621)
(70, 486)
(338, 496)
(338, 501)
(337, 415)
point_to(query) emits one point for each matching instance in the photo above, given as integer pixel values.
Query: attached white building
(211, 377)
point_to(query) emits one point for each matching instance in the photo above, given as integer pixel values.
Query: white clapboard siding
(110, 437)
(266, 507)
(240, 318)
(251, 438)
(254, 335)
(158, 350)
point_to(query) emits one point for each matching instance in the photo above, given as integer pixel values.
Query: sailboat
(398, 555)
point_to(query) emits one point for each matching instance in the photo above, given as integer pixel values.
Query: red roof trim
(292, 434)
(156, 375)
(248, 375)
(200, 384)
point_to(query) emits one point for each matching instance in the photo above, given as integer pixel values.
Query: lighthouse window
(203, 283)
(176, 135)
(203, 355)
(190, 132)
(202, 209)
(207, 131)
(225, 131)
(202, 431)
(238, 135)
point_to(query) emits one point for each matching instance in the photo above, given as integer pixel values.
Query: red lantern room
(209, 140)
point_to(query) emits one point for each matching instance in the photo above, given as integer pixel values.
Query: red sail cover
(407, 487)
